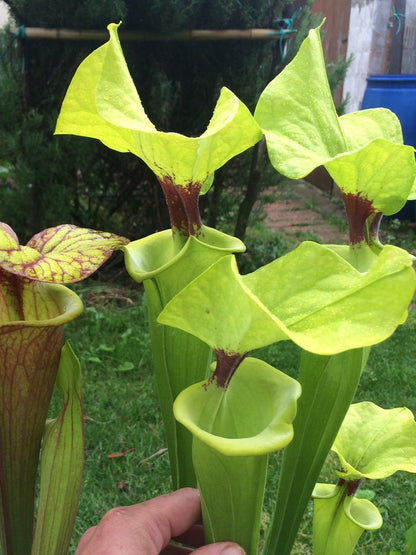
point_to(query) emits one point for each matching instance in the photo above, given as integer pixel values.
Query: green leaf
(106, 348)
(297, 114)
(94, 359)
(375, 443)
(411, 540)
(62, 460)
(328, 385)
(332, 294)
(382, 172)
(61, 254)
(102, 102)
(334, 307)
(365, 494)
(412, 194)
(363, 127)
(203, 309)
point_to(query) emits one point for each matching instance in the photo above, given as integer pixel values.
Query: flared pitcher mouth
(253, 416)
(63, 305)
(362, 512)
(152, 255)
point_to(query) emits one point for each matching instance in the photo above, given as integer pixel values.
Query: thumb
(220, 548)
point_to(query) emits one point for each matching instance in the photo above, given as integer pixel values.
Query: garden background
(46, 180)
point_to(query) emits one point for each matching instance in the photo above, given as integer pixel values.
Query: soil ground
(302, 207)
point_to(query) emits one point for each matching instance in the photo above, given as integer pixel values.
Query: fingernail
(233, 550)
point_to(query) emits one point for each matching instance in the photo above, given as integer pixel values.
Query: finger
(85, 538)
(145, 528)
(172, 514)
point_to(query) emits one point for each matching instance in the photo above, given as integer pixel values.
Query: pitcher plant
(34, 307)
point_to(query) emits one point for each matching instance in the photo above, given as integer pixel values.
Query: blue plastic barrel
(398, 93)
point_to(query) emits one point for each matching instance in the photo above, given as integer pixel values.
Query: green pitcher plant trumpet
(372, 443)
(364, 154)
(102, 102)
(362, 151)
(62, 455)
(340, 518)
(234, 428)
(33, 314)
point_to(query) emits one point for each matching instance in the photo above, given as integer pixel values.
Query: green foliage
(110, 311)
(56, 179)
(375, 443)
(193, 72)
(263, 246)
(82, 15)
(411, 540)
(298, 95)
(121, 408)
(49, 180)
(336, 75)
(178, 15)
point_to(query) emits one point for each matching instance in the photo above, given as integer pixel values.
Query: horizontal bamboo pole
(199, 34)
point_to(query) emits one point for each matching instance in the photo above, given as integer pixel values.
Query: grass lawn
(126, 461)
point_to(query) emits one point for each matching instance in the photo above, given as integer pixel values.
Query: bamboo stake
(199, 34)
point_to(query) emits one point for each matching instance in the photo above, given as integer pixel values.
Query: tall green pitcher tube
(179, 359)
(234, 428)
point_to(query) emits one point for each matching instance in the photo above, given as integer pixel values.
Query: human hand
(147, 528)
